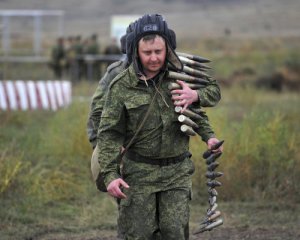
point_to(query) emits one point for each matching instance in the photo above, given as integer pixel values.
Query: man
(112, 49)
(57, 58)
(77, 63)
(154, 184)
(208, 96)
(92, 47)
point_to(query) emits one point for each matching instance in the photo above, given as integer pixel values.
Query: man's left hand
(213, 141)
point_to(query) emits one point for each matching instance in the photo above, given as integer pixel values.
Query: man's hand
(114, 190)
(185, 96)
(213, 141)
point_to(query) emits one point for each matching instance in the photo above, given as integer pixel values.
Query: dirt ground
(242, 221)
(243, 233)
(221, 233)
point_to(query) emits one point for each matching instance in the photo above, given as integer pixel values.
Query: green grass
(261, 56)
(45, 180)
(261, 158)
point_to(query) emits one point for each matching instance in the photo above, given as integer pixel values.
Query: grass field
(46, 190)
(46, 185)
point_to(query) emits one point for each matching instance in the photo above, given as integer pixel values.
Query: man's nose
(153, 57)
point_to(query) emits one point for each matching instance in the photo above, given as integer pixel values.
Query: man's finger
(177, 97)
(120, 194)
(184, 107)
(112, 193)
(181, 83)
(123, 183)
(176, 91)
(180, 102)
(117, 193)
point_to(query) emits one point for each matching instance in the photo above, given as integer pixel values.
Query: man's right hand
(184, 96)
(114, 190)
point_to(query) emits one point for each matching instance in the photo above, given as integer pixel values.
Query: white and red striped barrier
(31, 95)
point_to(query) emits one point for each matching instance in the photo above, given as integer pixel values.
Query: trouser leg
(173, 209)
(137, 217)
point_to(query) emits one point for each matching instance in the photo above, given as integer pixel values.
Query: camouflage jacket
(127, 102)
(57, 54)
(98, 99)
(208, 97)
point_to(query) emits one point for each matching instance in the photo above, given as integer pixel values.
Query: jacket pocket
(136, 108)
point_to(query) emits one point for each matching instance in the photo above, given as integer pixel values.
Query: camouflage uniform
(98, 99)
(77, 67)
(92, 48)
(57, 58)
(208, 97)
(158, 197)
(112, 48)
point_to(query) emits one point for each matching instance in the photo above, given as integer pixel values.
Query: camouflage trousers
(157, 203)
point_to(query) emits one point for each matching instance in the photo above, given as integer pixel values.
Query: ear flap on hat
(123, 44)
(173, 58)
(129, 45)
(172, 39)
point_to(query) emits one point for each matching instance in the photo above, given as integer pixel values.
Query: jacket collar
(134, 79)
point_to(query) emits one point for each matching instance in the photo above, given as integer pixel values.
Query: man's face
(152, 54)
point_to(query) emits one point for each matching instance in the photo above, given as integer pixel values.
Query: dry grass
(45, 181)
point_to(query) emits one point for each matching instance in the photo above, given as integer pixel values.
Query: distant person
(58, 58)
(70, 53)
(71, 58)
(92, 47)
(74, 51)
(78, 47)
(112, 49)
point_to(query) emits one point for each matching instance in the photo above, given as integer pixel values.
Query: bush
(261, 157)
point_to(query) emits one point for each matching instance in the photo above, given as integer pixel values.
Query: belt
(159, 161)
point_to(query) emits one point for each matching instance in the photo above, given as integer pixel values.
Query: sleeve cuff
(110, 177)
(205, 138)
